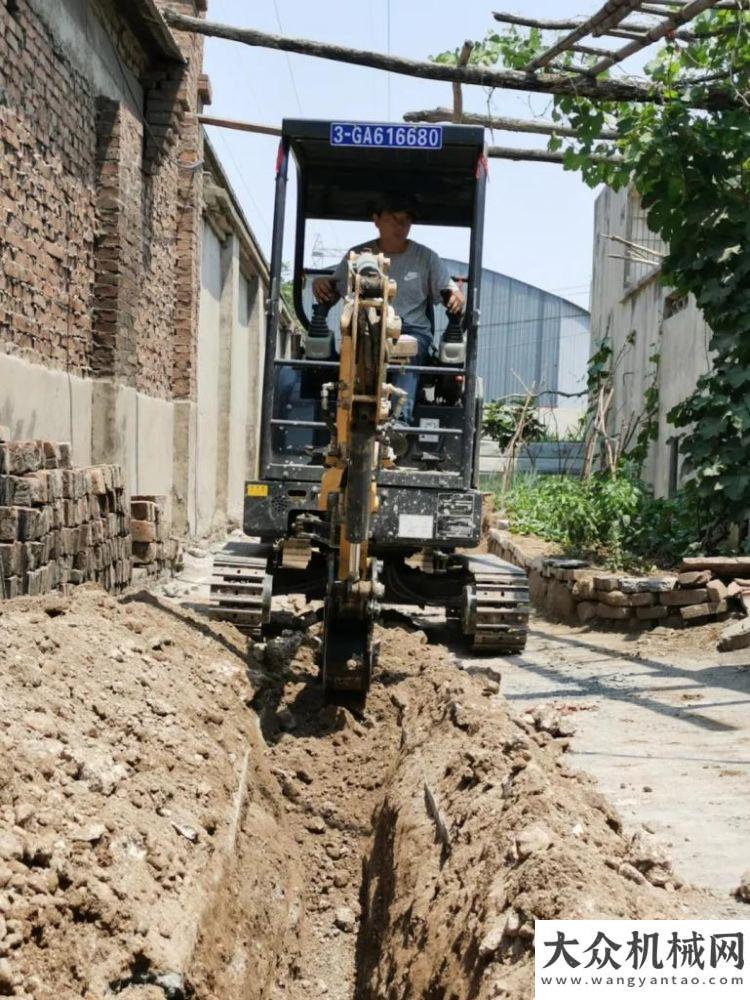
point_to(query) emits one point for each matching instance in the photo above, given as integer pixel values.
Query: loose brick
(605, 583)
(632, 584)
(614, 598)
(703, 610)
(32, 555)
(653, 613)
(143, 510)
(96, 480)
(683, 598)
(717, 591)
(642, 600)
(694, 578)
(51, 454)
(25, 456)
(586, 611)
(33, 522)
(143, 531)
(144, 552)
(735, 636)
(616, 614)
(53, 479)
(11, 561)
(22, 491)
(8, 524)
(64, 460)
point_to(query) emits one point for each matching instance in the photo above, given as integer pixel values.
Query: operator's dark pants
(408, 380)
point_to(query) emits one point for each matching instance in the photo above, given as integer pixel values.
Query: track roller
(495, 606)
(241, 590)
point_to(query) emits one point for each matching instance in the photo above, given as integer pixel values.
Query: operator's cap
(396, 201)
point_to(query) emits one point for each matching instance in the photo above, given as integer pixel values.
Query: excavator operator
(421, 276)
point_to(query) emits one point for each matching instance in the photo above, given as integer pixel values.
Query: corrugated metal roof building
(528, 337)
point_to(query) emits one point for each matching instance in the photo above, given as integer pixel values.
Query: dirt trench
(181, 815)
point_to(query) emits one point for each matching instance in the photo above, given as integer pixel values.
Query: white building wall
(206, 439)
(631, 309)
(230, 362)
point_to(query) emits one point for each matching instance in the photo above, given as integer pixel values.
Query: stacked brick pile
(572, 590)
(666, 600)
(154, 552)
(59, 526)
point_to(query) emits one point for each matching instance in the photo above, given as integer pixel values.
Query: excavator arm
(361, 407)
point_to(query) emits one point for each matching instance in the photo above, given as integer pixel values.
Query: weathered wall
(103, 276)
(641, 311)
(208, 354)
(229, 367)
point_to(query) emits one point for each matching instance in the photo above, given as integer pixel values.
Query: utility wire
(288, 60)
(388, 47)
(240, 173)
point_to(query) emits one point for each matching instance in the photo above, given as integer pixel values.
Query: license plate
(386, 136)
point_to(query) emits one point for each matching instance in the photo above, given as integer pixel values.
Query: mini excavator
(352, 506)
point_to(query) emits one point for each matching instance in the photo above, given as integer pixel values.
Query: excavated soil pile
(436, 828)
(141, 851)
(483, 829)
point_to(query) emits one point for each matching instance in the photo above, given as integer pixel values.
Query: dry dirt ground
(181, 816)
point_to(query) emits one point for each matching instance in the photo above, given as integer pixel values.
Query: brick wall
(47, 129)
(190, 211)
(99, 219)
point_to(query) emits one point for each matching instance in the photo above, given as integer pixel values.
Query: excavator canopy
(345, 166)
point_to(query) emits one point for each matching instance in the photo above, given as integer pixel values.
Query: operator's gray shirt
(419, 274)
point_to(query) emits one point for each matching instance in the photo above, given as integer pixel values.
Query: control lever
(453, 342)
(319, 338)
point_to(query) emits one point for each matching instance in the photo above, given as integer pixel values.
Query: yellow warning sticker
(257, 490)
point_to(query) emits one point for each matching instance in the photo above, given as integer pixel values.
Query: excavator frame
(336, 515)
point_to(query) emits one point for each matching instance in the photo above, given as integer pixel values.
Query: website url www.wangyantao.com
(640, 982)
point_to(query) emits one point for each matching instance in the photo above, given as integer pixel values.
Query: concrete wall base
(38, 402)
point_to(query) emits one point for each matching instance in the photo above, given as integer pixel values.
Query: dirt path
(181, 815)
(662, 723)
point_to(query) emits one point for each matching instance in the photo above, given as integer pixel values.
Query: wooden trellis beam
(497, 152)
(482, 76)
(670, 23)
(626, 30)
(501, 124)
(608, 16)
(458, 97)
(540, 155)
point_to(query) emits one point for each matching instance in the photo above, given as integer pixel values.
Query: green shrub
(502, 417)
(616, 520)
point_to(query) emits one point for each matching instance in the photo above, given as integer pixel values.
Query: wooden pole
(458, 98)
(498, 152)
(500, 124)
(240, 126)
(482, 76)
(539, 155)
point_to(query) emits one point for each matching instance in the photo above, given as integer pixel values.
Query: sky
(539, 219)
